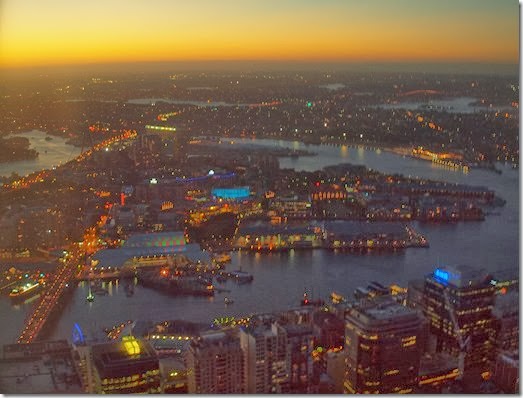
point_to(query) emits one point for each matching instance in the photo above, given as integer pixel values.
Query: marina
(285, 273)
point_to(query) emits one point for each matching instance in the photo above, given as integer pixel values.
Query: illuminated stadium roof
(158, 239)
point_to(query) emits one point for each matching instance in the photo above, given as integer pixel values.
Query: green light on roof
(309, 104)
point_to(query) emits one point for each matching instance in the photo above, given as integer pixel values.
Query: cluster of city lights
(160, 128)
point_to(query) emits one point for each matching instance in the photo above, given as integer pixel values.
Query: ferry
(228, 301)
(25, 290)
(222, 258)
(176, 285)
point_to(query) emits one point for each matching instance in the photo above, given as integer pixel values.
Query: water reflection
(280, 279)
(50, 153)
(361, 153)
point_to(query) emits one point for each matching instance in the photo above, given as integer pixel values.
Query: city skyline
(259, 196)
(64, 33)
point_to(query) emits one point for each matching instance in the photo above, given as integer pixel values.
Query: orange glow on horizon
(59, 32)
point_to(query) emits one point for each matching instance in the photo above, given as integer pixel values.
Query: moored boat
(307, 301)
(25, 291)
(222, 258)
(241, 277)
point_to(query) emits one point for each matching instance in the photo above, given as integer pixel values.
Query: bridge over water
(49, 299)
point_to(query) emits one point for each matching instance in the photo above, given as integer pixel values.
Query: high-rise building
(336, 370)
(125, 367)
(300, 344)
(215, 364)
(267, 359)
(506, 372)
(329, 330)
(458, 303)
(382, 347)
(436, 372)
(506, 322)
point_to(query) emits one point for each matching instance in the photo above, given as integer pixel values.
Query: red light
(503, 290)
(317, 183)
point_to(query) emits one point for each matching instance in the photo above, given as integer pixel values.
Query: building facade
(458, 304)
(382, 347)
(126, 367)
(215, 364)
(506, 322)
(506, 372)
(267, 360)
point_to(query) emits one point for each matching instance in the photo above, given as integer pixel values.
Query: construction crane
(463, 343)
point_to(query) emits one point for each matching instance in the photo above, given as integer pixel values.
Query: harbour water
(51, 153)
(281, 278)
(450, 105)
(152, 101)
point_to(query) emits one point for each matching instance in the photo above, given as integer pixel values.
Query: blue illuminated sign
(441, 275)
(231, 193)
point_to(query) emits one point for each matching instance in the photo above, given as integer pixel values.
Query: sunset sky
(36, 32)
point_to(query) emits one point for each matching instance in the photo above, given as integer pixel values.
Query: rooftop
(123, 350)
(156, 239)
(43, 368)
(381, 310)
(506, 304)
(119, 256)
(261, 228)
(117, 359)
(437, 363)
(461, 276)
(364, 228)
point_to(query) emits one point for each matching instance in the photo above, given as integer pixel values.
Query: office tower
(329, 330)
(336, 370)
(125, 367)
(506, 372)
(266, 358)
(215, 364)
(505, 316)
(300, 344)
(382, 347)
(437, 371)
(458, 304)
